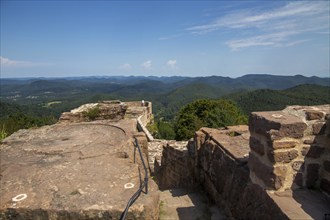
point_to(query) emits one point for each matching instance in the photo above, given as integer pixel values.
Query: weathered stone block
(280, 173)
(283, 144)
(310, 140)
(276, 125)
(327, 117)
(326, 165)
(273, 177)
(312, 174)
(298, 166)
(199, 139)
(305, 150)
(257, 146)
(191, 147)
(315, 151)
(319, 128)
(325, 185)
(260, 124)
(313, 114)
(282, 156)
(295, 131)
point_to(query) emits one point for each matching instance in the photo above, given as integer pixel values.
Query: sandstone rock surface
(82, 170)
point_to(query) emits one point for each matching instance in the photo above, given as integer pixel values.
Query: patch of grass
(92, 113)
(153, 128)
(3, 133)
(49, 104)
(162, 213)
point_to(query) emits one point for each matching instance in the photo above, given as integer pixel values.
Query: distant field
(49, 104)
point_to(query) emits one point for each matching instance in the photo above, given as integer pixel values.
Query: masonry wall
(177, 169)
(142, 109)
(227, 181)
(287, 149)
(290, 149)
(206, 163)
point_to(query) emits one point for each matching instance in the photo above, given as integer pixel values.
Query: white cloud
(274, 39)
(289, 44)
(170, 37)
(147, 64)
(263, 27)
(125, 66)
(171, 63)
(6, 62)
(253, 18)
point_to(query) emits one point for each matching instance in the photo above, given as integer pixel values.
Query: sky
(164, 38)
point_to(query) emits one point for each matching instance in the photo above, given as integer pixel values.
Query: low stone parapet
(177, 168)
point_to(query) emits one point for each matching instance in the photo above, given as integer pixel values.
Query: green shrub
(206, 113)
(92, 113)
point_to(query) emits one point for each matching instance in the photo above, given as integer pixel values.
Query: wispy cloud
(171, 63)
(125, 66)
(275, 39)
(146, 64)
(170, 37)
(292, 43)
(6, 62)
(272, 26)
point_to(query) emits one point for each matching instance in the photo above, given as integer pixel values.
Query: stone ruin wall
(281, 150)
(176, 169)
(111, 110)
(107, 110)
(286, 149)
(141, 110)
(290, 149)
(115, 110)
(204, 162)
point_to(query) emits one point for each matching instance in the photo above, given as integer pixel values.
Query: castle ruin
(85, 166)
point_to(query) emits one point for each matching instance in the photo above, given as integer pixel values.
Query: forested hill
(35, 102)
(140, 84)
(168, 94)
(271, 100)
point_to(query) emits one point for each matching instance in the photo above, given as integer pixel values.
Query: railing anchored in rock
(143, 184)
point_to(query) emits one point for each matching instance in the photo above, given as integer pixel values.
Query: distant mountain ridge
(168, 94)
(251, 81)
(39, 101)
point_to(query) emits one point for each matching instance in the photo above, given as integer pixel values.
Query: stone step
(180, 204)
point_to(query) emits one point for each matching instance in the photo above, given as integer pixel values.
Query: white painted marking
(19, 197)
(129, 185)
(277, 115)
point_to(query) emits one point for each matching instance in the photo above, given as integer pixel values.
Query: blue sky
(164, 38)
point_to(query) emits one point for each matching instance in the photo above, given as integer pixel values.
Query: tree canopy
(206, 113)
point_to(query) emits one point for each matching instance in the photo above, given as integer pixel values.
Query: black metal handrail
(143, 184)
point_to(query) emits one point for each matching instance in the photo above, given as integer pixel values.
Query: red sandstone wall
(290, 149)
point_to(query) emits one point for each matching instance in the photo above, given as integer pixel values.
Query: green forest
(179, 107)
